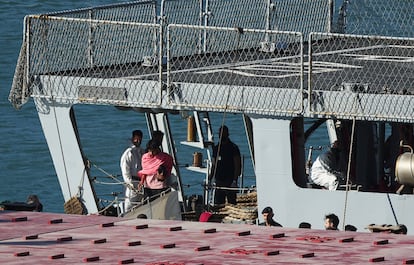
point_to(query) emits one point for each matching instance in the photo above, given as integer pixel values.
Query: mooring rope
(221, 134)
(61, 145)
(347, 187)
(240, 32)
(115, 179)
(392, 208)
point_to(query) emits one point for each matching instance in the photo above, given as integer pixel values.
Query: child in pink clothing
(156, 168)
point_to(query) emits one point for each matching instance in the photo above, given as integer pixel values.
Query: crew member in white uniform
(130, 165)
(326, 170)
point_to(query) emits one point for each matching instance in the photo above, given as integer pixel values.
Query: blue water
(25, 163)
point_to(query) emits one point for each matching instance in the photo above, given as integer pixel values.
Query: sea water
(25, 163)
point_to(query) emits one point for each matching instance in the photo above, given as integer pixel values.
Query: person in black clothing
(331, 221)
(350, 228)
(268, 217)
(305, 225)
(226, 167)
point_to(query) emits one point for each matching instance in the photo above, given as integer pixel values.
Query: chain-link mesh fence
(254, 70)
(237, 14)
(137, 11)
(361, 76)
(96, 49)
(235, 72)
(67, 46)
(182, 12)
(379, 17)
(301, 16)
(85, 44)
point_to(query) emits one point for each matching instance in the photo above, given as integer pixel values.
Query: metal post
(309, 72)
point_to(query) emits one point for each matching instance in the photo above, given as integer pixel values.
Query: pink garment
(205, 216)
(150, 165)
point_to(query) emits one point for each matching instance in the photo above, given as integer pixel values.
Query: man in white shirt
(327, 171)
(130, 165)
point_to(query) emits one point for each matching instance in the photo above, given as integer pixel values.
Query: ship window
(331, 160)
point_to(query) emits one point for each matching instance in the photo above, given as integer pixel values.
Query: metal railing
(233, 58)
(238, 71)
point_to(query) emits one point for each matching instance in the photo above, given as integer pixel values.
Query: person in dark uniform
(268, 217)
(226, 167)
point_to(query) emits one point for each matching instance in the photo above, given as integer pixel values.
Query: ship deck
(352, 61)
(50, 238)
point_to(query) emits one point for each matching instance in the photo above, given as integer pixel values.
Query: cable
(392, 208)
(348, 173)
